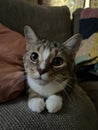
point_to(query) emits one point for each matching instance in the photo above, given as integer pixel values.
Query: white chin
(41, 81)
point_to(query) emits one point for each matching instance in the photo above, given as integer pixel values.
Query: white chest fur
(46, 89)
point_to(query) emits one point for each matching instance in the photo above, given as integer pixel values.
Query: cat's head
(47, 61)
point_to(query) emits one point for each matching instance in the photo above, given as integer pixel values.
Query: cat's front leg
(36, 104)
(54, 103)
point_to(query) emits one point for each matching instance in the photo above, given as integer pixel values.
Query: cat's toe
(54, 103)
(36, 104)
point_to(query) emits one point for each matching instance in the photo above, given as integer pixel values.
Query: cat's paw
(36, 104)
(54, 103)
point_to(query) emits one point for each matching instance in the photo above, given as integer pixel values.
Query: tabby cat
(50, 69)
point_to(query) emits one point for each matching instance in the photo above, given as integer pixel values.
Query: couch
(53, 23)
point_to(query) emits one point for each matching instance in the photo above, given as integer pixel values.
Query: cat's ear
(30, 35)
(73, 43)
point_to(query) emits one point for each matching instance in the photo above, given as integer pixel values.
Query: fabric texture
(52, 23)
(12, 49)
(87, 59)
(88, 27)
(89, 13)
(88, 51)
(88, 23)
(78, 113)
(91, 87)
(75, 20)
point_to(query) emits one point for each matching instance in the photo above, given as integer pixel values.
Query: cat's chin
(41, 81)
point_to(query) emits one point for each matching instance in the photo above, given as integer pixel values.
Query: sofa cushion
(78, 113)
(52, 23)
(12, 48)
(91, 87)
(75, 21)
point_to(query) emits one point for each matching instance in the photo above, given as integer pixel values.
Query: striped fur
(49, 66)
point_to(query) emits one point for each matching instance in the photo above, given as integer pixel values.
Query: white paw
(54, 103)
(36, 104)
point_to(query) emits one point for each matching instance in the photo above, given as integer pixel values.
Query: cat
(49, 68)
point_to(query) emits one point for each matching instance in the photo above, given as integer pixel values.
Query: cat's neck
(46, 89)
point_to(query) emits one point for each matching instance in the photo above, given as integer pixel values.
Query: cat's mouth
(40, 79)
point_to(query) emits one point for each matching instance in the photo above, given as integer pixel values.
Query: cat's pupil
(34, 56)
(57, 61)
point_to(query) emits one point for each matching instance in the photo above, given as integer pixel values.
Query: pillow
(12, 49)
(88, 51)
(88, 22)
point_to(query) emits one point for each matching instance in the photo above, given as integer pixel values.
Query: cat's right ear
(30, 35)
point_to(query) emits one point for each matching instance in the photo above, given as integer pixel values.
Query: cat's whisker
(68, 96)
(16, 81)
(66, 92)
(20, 80)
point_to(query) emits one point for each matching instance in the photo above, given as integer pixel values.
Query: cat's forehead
(49, 47)
(49, 44)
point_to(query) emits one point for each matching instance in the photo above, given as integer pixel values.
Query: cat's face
(47, 61)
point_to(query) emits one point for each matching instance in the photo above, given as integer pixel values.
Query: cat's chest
(45, 89)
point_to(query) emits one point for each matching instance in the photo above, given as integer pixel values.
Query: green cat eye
(57, 61)
(34, 56)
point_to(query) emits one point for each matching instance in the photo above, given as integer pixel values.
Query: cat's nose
(41, 71)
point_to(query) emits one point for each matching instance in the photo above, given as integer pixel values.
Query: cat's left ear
(73, 43)
(30, 35)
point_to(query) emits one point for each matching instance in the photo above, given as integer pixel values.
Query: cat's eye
(57, 61)
(34, 56)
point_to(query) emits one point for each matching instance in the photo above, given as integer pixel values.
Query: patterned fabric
(88, 51)
(89, 13)
(94, 49)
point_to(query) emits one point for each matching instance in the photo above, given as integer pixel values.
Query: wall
(33, 1)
